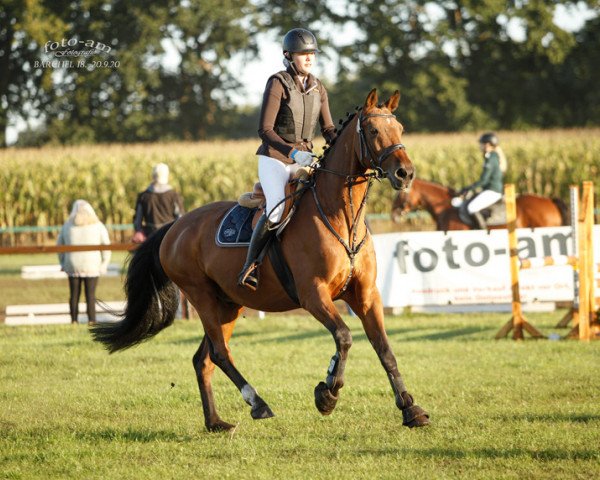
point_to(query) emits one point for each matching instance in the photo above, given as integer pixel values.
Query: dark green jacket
(491, 177)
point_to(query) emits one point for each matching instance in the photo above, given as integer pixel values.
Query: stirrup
(249, 277)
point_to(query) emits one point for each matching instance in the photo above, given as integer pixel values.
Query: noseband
(365, 151)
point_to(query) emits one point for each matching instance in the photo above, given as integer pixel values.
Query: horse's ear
(371, 100)
(392, 103)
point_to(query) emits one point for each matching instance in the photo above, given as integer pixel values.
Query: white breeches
(483, 200)
(273, 176)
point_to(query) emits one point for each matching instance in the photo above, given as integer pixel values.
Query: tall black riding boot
(479, 220)
(261, 235)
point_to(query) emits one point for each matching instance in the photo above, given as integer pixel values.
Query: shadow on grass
(549, 454)
(552, 417)
(446, 334)
(474, 333)
(141, 436)
(196, 339)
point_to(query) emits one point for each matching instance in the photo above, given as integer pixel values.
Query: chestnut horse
(532, 210)
(327, 248)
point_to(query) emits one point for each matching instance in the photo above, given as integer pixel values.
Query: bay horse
(532, 210)
(327, 248)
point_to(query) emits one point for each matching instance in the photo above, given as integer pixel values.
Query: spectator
(83, 228)
(156, 206)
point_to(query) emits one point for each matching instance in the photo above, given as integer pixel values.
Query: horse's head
(380, 138)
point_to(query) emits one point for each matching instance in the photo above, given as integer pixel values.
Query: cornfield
(38, 186)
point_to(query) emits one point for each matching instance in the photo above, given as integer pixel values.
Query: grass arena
(499, 409)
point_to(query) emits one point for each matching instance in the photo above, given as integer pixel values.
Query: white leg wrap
(249, 394)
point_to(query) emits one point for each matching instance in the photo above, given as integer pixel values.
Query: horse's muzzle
(402, 178)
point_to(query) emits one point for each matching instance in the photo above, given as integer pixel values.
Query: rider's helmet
(300, 40)
(489, 137)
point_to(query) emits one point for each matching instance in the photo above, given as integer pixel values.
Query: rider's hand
(138, 237)
(302, 158)
(456, 202)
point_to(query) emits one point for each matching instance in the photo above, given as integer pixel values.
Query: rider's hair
(502, 157)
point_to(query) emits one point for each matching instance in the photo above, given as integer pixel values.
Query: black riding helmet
(489, 137)
(300, 40)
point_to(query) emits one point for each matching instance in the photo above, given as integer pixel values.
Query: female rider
(293, 101)
(491, 180)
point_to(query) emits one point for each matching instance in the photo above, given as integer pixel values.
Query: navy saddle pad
(235, 230)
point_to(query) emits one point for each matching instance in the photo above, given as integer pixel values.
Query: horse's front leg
(365, 300)
(322, 308)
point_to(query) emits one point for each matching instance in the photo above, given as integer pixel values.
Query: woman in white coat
(83, 228)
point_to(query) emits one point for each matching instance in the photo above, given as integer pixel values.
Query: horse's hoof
(262, 411)
(219, 426)
(414, 416)
(324, 399)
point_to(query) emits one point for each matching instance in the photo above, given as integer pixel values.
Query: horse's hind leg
(323, 309)
(204, 368)
(366, 303)
(218, 319)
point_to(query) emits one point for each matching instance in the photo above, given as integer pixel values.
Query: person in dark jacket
(156, 206)
(293, 102)
(491, 182)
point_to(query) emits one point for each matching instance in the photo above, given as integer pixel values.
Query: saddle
(235, 230)
(238, 223)
(493, 215)
(256, 198)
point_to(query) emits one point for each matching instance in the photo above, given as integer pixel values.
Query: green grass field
(499, 409)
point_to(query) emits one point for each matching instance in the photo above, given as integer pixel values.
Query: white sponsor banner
(471, 267)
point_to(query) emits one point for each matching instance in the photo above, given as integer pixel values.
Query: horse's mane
(344, 123)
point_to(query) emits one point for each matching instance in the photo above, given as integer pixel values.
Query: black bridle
(353, 246)
(375, 161)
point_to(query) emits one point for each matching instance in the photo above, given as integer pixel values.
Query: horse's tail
(152, 299)
(563, 209)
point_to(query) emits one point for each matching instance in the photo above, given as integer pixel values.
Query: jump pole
(518, 322)
(587, 325)
(573, 313)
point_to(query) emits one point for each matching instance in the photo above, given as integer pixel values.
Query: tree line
(92, 71)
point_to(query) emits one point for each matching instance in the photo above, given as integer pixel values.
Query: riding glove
(302, 158)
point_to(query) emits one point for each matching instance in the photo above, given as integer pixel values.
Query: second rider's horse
(532, 210)
(326, 246)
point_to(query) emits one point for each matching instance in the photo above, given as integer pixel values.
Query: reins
(352, 246)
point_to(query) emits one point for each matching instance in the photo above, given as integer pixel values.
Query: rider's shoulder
(284, 77)
(492, 156)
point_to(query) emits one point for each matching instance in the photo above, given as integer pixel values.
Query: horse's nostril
(401, 173)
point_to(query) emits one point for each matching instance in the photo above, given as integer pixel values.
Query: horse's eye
(374, 131)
